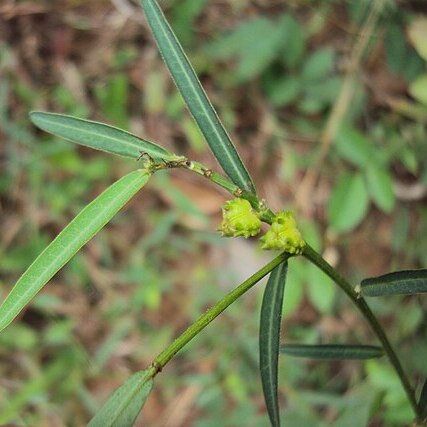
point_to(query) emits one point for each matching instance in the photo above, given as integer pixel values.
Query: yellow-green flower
(283, 234)
(239, 219)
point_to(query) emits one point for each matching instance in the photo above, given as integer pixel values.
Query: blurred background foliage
(327, 103)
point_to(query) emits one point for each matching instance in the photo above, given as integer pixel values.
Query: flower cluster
(239, 219)
(283, 234)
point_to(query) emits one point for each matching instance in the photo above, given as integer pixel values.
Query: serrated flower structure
(239, 219)
(283, 234)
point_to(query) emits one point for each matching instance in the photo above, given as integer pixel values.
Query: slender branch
(265, 213)
(316, 259)
(163, 358)
(308, 252)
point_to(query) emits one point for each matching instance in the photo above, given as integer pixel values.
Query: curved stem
(319, 261)
(265, 213)
(163, 358)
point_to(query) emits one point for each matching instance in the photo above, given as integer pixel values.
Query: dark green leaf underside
(406, 282)
(124, 405)
(98, 136)
(269, 339)
(195, 97)
(332, 351)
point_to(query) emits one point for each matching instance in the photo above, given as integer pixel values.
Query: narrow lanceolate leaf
(124, 405)
(422, 402)
(99, 136)
(269, 339)
(76, 234)
(195, 97)
(332, 351)
(406, 282)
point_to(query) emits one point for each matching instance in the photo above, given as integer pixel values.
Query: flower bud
(239, 219)
(283, 234)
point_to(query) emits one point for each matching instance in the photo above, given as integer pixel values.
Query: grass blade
(407, 282)
(76, 234)
(124, 405)
(195, 97)
(332, 351)
(422, 402)
(269, 339)
(99, 136)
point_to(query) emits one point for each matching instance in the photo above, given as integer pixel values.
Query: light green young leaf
(184, 17)
(195, 97)
(418, 89)
(417, 32)
(380, 187)
(269, 339)
(348, 202)
(353, 146)
(124, 405)
(332, 351)
(318, 65)
(255, 53)
(284, 91)
(76, 234)
(406, 282)
(99, 136)
(321, 291)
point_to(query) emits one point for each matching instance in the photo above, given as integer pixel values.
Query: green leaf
(418, 35)
(396, 48)
(354, 146)
(76, 234)
(184, 16)
(418, 89)
(332, 351)
(348, 203)
(361, 401)
(124, 405)
(294, 46)
(284, 91)
(406, 282)
(195, 97)
(382, 377)
(422, 402)
(269, 338)
(321, 291)
(318, 65)
(294, 291)
(254, 53)
(99, 136)
(380, 187)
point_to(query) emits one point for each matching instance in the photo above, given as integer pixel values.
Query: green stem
(361, 304)
(266, 214)
(163, 358)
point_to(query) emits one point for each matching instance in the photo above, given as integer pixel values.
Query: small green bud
(239, 219)
(283, 234)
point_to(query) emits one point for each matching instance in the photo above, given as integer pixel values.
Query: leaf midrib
(105, 136)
